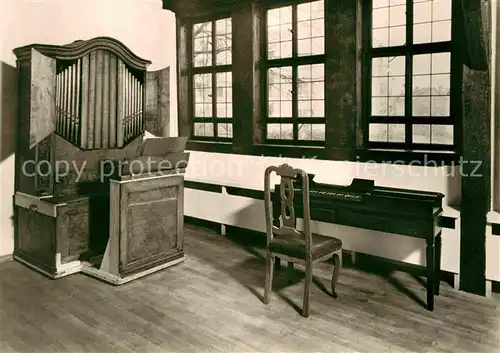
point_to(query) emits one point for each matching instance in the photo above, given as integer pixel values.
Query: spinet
(365, 205)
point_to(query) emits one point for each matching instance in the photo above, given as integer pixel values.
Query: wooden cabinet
(146, 227)
(51, 234)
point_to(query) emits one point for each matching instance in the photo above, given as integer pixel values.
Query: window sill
(407, 157)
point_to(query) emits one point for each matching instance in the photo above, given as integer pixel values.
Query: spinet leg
(277, 263)
(431, 273)
(438, 264)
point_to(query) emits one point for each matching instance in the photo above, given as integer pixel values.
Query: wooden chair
(285, 241)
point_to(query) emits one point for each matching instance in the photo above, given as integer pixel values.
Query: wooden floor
(212, 303)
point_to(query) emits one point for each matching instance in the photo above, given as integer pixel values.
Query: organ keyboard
(367, 206)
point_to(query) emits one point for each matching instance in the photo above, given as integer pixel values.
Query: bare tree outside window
(430, 72)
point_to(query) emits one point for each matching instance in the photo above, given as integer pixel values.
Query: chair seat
(294, 246)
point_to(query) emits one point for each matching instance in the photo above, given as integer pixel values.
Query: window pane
(225, 130)
(421, 133)
(223, 40)
(310, 87)
(432, 21)
(388, 86)
(279, 32)
(311, 132)
(204, 129)
(279, 83)
(202, 44)
(442, 134)
(280, 131)
(310, 28)
(396, 133)
(378, 133)
(433, 134)
(431, 84)
(388, 23)
(202, 85)
(387, 133)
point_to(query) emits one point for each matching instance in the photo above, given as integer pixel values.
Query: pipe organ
(99, 101)
(80, 206)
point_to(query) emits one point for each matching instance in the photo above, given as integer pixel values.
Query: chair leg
(335, 275)
(307, 289)
(269, 278)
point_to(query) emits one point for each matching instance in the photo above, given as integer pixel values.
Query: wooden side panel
(25, 169)
(157, 113)
(43, 97)
(36, 238)
(151, 222)
(73, 229)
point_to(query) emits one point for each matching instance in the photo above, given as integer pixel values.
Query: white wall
(141, 25)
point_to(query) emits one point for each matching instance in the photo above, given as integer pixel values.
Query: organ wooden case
(81, 202)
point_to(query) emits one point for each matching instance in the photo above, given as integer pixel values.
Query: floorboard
(212, 303)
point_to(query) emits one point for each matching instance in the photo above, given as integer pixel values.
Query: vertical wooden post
(341, 73)
(246, 75)
(476, 174)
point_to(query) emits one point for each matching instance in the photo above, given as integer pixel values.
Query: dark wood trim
(203, 186)
(447, 222)
(495, 229)
(250, 193)
(183, 74)
(495, 286)
(202, 223)
(475, 193)
(209, 146)
(246, 76)
(340, 74)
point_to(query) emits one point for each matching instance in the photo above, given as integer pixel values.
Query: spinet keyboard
(366, 206)
(348, 196)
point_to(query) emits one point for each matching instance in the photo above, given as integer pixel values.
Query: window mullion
(295, 113)
(409, 73)
(214, 80)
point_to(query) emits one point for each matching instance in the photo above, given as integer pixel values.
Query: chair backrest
(289, 177)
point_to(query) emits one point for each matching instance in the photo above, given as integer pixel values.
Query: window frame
(409, 51)
(343, 143)
(213, 70)
(294, 62)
